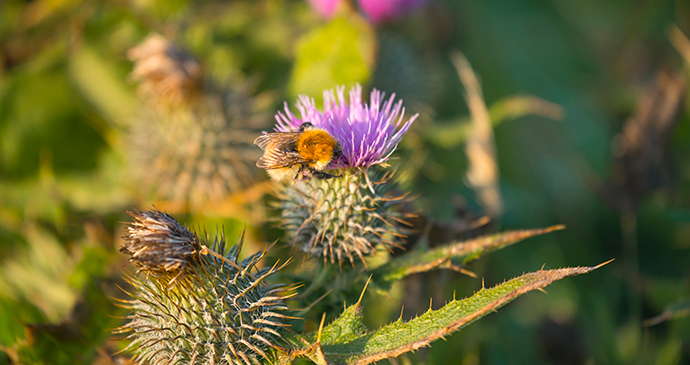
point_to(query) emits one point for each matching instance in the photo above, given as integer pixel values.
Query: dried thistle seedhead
(222, 311)
(157, 243)
(642, 159)
(166, 73)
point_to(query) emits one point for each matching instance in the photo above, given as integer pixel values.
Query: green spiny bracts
(194, 156)
(194, 305)
(346, 217)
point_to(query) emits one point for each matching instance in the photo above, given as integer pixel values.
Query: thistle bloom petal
(368, 134)
(379, 11)
(325, 8)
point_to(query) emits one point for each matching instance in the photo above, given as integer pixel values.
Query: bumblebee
(307, 152)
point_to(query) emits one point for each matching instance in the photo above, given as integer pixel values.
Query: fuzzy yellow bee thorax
(316, 147)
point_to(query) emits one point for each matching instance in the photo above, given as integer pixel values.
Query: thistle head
(216, 309)
(196, 156)
(368, 133)
(157, 244)
(166, 73)
(347, 217)
(189, 146)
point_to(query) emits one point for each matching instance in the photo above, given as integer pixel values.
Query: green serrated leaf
(339, 53)
(359, 346)
(348, 327)
(452, 256)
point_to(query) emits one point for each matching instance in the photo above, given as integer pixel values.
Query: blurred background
(533, 112)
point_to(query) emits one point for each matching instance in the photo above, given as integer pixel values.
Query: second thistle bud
(217, 309)
(191, 142)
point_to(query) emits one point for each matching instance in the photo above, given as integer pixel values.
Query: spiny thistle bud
(196, 306)
(352, 215)
(341, 218)
(194, 156)
(189, 145)
(165, 72)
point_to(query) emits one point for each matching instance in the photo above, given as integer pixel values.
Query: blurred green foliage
(66, 102)
(338, 53)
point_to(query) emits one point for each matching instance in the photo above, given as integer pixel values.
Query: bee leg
(302, 177)
(302, 174)
(322, 175)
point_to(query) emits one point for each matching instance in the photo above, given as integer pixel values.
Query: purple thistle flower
(368, 134)
(325, 8)
(379, 11)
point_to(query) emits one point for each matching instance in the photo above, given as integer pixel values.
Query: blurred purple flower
(368, 134)
(384, 10)
(325, 8)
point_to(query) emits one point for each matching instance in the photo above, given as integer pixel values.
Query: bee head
(337, 151)
(306, 126)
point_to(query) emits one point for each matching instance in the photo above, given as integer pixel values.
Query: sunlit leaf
(453, 256)
(101, 85)
(347, 341)
(338, 53)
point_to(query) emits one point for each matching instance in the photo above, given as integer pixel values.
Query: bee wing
(279, 150)
(276, 158)
(278, 139)
(263, 140)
